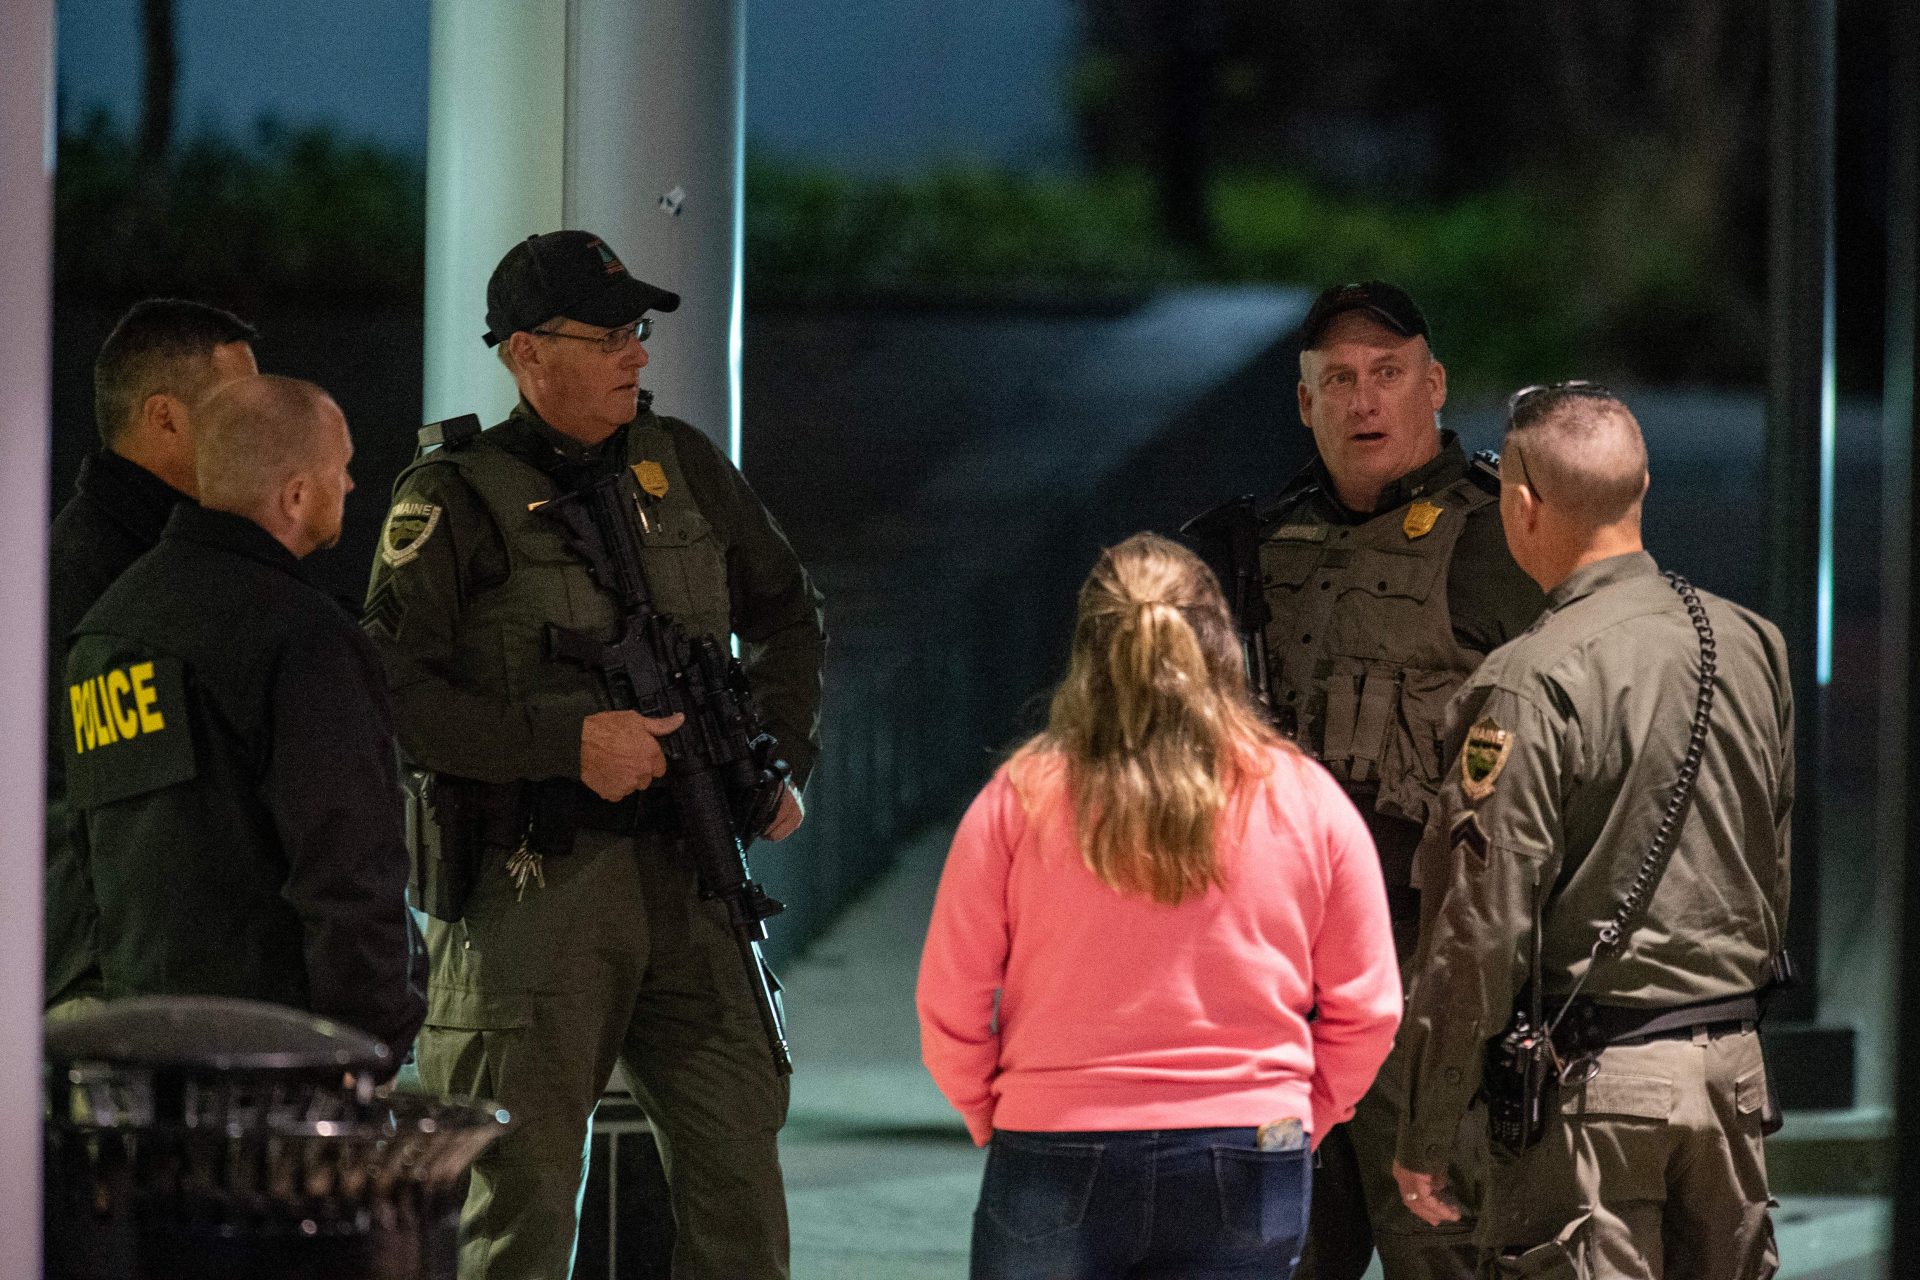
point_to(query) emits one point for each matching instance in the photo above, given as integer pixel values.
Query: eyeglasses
(1515, 462)
(1527, 406)
(612, 340)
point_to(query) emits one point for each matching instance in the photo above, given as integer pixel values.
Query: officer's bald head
(1579, 449)
(255, 434)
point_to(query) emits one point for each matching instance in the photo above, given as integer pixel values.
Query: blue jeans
(1188, 1203)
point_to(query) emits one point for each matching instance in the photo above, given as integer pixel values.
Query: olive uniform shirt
(234, 786)
(414, 617)
(114, 517)
(1596, 703)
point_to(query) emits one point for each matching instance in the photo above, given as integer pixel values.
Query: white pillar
(496, 132)
(620, 117)
(26, 252)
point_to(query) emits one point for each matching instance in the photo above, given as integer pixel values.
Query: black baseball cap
(1389, 304)
(566, 273)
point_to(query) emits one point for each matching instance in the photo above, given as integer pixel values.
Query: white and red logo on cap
(608, 263)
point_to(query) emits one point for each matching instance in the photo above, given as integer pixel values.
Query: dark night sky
(865, 84)
(359, 64)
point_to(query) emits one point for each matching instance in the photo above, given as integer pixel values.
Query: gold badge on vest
(652, 477)
(1421, 517)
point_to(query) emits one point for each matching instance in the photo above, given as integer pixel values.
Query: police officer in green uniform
(583, 941)
(1571, 746)
(1387, 580)
(231, 763)
(164, 356)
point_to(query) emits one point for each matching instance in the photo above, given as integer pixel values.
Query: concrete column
(1800, 472)
(621, 117)
(496, 147)
(26, 252)
(1902, 410)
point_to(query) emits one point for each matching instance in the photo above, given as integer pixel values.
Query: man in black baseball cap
(1387, 304)
(1386, 579)
(590, 943)
(569, 274)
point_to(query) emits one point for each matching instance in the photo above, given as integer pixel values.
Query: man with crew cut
(164, 357)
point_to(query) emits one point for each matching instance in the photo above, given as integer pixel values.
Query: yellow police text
(117, 705)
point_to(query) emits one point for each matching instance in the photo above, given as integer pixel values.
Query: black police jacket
(231, 771)
(114, 517)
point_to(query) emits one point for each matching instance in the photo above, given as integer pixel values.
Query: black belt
(1687, 1032)
(643, 811)
(1595, 1026)
(573, 804)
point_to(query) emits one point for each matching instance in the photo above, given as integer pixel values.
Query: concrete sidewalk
(881, 1176)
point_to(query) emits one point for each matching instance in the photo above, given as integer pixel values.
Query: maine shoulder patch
(1483, 757)
(409, 525)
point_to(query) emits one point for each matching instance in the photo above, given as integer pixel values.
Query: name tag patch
(1300, 533)
(130, 732)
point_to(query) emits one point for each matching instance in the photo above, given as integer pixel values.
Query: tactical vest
(501, 643)
(1361, 643)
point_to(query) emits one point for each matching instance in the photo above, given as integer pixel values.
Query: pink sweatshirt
(1116, 1012)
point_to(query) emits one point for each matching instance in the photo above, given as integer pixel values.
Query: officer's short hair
(1581, 448)
(160, 346)
(253, 434)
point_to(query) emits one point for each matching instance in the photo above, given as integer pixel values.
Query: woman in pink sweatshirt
(1160, 966)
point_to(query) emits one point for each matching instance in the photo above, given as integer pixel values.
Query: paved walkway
(882, 1177)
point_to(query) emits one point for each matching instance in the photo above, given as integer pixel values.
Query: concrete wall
(26, 200)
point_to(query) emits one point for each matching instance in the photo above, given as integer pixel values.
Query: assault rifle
(724, 773)
(1228, 539)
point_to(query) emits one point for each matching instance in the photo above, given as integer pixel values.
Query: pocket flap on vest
(1288, 564)
(678, 525)
(1387, 573)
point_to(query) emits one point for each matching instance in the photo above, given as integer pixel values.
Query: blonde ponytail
(1153, 721)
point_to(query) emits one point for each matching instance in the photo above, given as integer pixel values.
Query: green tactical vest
(502, 637)
(1361, 643)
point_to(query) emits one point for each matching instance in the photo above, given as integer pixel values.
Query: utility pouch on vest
(450, 822)
(1380, 731)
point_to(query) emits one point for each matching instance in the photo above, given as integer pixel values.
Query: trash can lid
(214, 1033)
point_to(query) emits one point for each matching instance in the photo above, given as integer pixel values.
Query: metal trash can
(194, 1136)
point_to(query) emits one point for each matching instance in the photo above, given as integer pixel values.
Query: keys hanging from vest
(524, 865)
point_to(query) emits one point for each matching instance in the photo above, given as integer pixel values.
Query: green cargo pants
(1357, 1206)
(1356, 1203)
(533, 999)
(1653, 1168)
